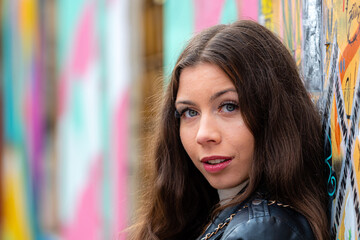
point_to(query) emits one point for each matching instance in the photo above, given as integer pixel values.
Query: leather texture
(260, 219)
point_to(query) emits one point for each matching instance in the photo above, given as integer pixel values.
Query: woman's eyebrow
(185, 102)
(212, 98)
(218, 94)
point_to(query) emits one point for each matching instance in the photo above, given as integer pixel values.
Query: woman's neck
(225, 195)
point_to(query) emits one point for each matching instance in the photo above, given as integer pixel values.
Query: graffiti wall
(341, 67)
(193, 16)
(323, 37)
(92, 117)
(23, 119)
(65, 87)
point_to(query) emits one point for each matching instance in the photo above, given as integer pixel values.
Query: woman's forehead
(203, 77)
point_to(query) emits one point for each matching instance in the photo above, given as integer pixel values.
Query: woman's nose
(208, 131)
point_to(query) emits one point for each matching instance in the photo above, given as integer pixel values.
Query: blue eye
(228, 107)
(187, 113)
(190, 113)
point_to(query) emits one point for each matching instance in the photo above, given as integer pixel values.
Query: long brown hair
(288, 160)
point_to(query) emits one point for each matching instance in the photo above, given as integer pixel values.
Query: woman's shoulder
(263, 219)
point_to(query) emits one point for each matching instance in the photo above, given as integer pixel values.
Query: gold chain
(219, 227)
(228, 220)
(222, 225)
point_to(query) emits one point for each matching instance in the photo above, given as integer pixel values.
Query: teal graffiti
(331, 179)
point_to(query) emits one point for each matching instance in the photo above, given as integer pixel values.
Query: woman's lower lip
(216, 167)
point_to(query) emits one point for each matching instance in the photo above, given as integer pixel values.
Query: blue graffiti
(332, 179)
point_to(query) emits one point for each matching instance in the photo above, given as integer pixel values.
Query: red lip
(206, 159)
(218, 167)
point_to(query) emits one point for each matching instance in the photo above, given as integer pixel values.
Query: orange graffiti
(337, 130)
(349, 52)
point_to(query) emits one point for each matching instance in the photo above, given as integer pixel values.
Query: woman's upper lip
(214, 157)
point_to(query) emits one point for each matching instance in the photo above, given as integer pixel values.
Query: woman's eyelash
(229, 103)
(179, 113)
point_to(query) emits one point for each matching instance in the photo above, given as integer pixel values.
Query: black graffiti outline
(340, 107)
(333, 72)
(347, 169)
(354, 13)
(355, 200)
(353, 130)
(330, 91)
(339, 102)
(326, 115)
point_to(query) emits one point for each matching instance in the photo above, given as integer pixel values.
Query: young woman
(238, 152)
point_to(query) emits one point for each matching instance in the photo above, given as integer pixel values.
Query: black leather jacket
(259, 219)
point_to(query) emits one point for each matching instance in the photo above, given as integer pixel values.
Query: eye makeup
(188, 112)
(177, 114)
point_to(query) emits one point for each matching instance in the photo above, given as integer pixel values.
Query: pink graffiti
(206, 14)
(82, 53)
(84, 48)
(121, 147)
(249, 10)
(87, 221)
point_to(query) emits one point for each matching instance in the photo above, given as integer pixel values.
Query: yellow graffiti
(28, 23)
(267, 11)
(15, 222)
(336, 138)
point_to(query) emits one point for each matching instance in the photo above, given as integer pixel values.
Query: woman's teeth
(217, 161)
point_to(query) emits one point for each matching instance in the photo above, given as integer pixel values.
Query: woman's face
(212, 129)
